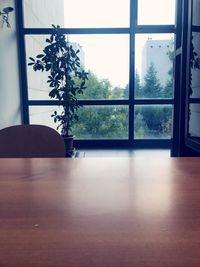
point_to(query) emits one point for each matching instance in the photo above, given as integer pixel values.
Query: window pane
(38, 88)
(154, 55)
(195, 13)
(76, 13)
(42, 115)
(102, 122)
(43, 13)
(194, 69)
(155, 12)
(95, 122)
(194, 126)
(105, 57)
(153, 122)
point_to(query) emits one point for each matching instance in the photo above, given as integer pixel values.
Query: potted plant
(66, 80)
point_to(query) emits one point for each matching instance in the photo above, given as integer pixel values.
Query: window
(129, 95)
(76, 13)
(156, 12)
(154, 68)
(153, 121)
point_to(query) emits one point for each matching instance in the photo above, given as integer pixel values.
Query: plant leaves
(32, 59)
(40, 56)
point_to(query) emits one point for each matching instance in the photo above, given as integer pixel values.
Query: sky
(108, 55)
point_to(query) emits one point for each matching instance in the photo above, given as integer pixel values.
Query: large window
(127, 47)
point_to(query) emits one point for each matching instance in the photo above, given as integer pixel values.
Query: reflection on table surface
(100, 212)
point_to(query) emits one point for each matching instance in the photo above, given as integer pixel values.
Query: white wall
(10, 113)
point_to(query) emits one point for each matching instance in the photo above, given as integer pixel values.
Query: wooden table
(112, 212)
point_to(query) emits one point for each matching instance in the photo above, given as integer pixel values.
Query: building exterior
(157, 52)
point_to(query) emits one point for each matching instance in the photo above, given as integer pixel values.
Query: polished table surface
(100, 212)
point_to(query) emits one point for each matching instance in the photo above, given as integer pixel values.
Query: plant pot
(69, 149)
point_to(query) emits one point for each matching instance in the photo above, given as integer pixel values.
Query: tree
(101, 121)
(153, 121)
(96, 88)
(108, 122)
(168, 89)
(138, 88)
(152, 87)
(126, 92)
(117, 93)
(140, 126)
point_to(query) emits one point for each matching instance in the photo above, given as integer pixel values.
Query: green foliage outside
(152, 87)
(154, 121)
(102, 89)
(100, 121)
(111, 122)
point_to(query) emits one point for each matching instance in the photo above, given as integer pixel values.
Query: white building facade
(157, 52)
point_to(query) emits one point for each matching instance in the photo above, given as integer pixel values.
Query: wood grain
(113, 212)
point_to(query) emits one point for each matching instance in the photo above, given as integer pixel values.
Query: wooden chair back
(31, 141)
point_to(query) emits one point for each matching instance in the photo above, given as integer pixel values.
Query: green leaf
(30, 64)
(32, 59)
(48, 67)
(53, 93)
(40, 56)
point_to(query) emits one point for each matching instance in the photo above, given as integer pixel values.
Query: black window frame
(132, 30)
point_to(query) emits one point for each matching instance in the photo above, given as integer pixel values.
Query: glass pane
(76, 13)
(102, 122)
(156, 12)
(153, 122)
(43, 13)
(195, 13)
(95, 122)
(105, 57)
(42, 115)
(195, 68)
(154, 55)
(37, 81)
(194, 126)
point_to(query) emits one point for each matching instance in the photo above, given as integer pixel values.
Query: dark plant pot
(69, 149)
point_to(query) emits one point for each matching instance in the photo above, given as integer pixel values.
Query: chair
(30, 141)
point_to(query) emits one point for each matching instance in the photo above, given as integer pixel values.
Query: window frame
(132, 30)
